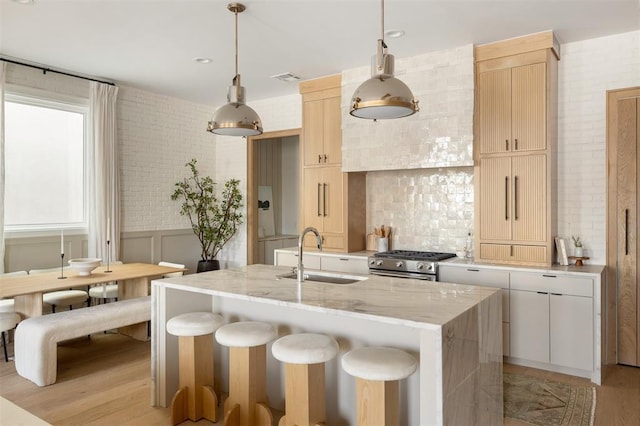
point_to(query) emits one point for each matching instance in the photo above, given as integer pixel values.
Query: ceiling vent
(286, 76)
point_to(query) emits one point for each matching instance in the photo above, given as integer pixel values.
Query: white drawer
(552, 283)
(472, 275)
(344, 264)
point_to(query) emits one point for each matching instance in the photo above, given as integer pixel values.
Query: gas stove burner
(414, 255)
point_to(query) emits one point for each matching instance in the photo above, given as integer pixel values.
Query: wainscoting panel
(177, 246)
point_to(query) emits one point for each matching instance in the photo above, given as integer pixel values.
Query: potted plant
(578, 252)
(214, 219)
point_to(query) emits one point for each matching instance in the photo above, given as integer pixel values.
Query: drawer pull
(542, 292)
(473, 270)
(344, 259)
(556, 294)
(549, 276)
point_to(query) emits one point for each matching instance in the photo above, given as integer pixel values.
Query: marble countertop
(462, 262)
(416, 303)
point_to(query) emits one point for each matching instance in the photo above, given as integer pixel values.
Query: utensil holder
(383, 244)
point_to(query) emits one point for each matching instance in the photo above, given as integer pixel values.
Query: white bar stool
(247, 404)
(378, 371)
(304, 356)
(195, 397)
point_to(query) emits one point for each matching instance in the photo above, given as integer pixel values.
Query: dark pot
(208, 265)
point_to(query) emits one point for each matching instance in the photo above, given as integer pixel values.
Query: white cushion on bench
(36, 338)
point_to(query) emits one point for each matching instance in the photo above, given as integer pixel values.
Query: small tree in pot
(213, 220)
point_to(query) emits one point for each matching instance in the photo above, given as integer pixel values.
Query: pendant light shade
(383, 96)
(235, 118)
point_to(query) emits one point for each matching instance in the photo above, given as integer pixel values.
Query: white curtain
(3, 68)
(104, 188)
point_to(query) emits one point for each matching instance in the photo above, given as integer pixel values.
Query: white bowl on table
(84, 265)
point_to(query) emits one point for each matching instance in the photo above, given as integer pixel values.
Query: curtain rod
(46, 70)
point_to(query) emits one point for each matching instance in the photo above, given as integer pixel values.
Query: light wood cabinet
(511, 109)
(333, 202)
(322, 124)
(514, 148)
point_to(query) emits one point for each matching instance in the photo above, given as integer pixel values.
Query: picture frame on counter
(561, 247)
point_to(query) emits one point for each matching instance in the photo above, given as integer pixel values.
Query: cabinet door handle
(473, 270)
(506, 144)
(344, 259)
(319, 158)
(324, 199)
(549, 276)
(325, 158)
(626, 231)
(556, 294)
(506, 198)
(515, 198)
(542, 292)
(516, 143)
(319, 185)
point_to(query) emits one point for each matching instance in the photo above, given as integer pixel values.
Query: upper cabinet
(333, 202)
(322, 123)
(511, 109)
(514, 150)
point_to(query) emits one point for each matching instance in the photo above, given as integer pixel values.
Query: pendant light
(383, 96)
(235, 118)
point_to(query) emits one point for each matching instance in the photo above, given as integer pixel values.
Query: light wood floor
(105, 381)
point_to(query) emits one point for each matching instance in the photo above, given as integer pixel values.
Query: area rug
(546, 402)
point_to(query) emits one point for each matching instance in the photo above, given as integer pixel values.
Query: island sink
(325, 277)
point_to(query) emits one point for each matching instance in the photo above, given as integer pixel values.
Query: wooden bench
(36, 338)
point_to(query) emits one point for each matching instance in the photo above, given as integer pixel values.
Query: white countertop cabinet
(352, 263)
(553, 318)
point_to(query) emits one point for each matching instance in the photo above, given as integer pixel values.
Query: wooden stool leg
(378, 403)
(247, 384)
(179, 409)
(304, 395)
(196, 373)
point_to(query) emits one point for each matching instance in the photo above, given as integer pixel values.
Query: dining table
(133, 281)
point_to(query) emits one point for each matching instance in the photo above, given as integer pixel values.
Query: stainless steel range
(422, 265)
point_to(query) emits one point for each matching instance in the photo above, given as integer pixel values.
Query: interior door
(627, 247)
(622, 291)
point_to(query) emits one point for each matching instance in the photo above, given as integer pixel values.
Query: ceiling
(151, 44)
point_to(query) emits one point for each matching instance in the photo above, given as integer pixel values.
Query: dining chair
(8, 315)
(172, 265)
(69, 297)
(106, 291)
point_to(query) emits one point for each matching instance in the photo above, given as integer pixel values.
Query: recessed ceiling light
(24, 1)
(203, 60)
(394, 33)
(286, 76)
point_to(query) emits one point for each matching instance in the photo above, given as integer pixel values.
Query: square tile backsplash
(427, 209)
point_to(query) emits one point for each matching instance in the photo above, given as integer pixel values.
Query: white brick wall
(587, 69)
(158, 135)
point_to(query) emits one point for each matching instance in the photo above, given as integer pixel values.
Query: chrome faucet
(300, 241)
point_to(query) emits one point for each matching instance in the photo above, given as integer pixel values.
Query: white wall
(158, 135)
(587, 69)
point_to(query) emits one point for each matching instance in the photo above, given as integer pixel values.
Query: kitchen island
(454, 330)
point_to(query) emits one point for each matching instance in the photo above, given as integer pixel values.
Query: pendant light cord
(382, 21)
(236, 13)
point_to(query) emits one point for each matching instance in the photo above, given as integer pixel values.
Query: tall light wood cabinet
(515, 150)
(333, 202)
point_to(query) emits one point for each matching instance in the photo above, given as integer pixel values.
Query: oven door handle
(424, 277)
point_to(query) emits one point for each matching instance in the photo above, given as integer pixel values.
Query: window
(45, 161)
